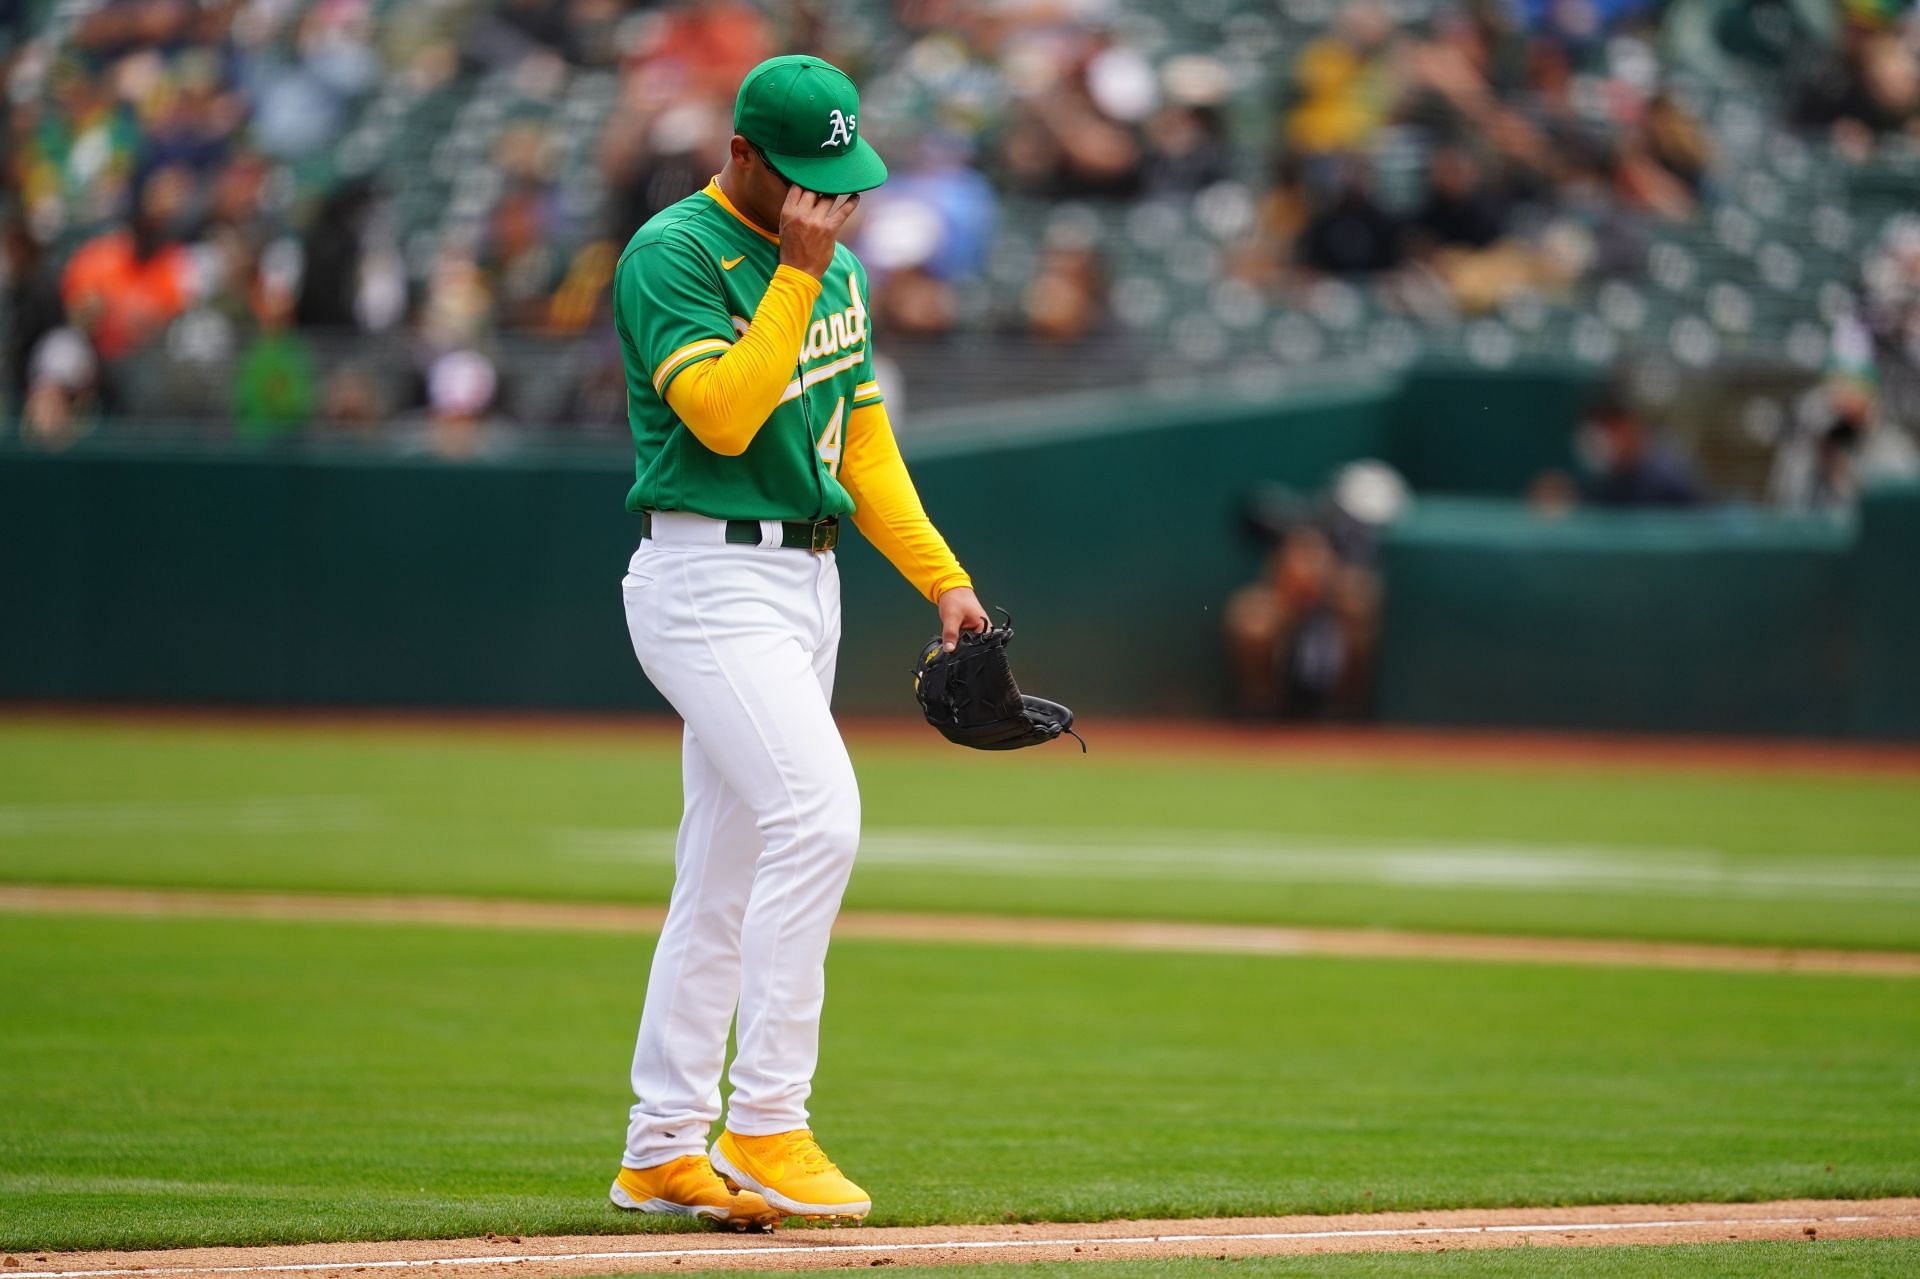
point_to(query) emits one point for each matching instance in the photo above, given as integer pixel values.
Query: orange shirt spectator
(120, 298)
(714, 44)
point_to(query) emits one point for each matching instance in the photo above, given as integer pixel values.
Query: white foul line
(750, 1250)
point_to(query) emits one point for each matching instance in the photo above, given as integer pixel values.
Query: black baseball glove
(969, 695)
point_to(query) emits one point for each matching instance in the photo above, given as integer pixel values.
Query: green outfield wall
(1111, 530)
(1721, 621)
(136, 573)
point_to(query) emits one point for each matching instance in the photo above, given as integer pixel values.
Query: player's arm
(888, 513)
(724, 395)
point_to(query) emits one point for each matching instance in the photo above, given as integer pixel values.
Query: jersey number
(834, 439)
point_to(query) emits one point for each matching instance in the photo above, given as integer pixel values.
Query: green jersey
(685, 288)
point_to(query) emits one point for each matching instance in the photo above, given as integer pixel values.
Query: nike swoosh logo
(727, 264)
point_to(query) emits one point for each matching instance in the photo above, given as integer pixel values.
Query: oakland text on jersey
(840, 331)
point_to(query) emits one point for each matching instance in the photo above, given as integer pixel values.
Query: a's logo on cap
(840, 129)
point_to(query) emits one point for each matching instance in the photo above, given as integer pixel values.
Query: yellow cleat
(794, 1175)
(689, 1187)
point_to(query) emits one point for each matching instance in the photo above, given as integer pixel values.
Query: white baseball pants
(742, 641)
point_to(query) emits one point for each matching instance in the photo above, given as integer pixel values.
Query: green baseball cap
(804, 113)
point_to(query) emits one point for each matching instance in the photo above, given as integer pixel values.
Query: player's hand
(809, 227)
(960, 611)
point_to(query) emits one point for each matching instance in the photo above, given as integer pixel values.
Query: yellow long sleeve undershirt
(725, 401)
(887, 508)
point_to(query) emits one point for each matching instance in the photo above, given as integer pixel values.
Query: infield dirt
(1008, 930)
(820, 1249)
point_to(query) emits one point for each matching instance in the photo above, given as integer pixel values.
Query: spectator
(706, 47)
(1352, 234)
(301, 106)
(1462, 209)
(1677, 141)
(1189, 141)
(352, 403)
(651, 162)
(62, 391)
(521, 266)
(457, 310)
(1344, 84)
(1280, 217)
(1640, 181)
(1627, 466)
(237, 201)
(1073, 130)
(1301, 639)
(1186, 150)
(949, 202)
(1553, 495)
(1460, 235)
(515, 29)
(1067, 297)
(1890, 280)
(275, 386)
(593, 32)
(33, 307)
(1847, 443)
(926, 231)
(123, 287)
(113, 30)
(75, 161)
(460, 425)
(348, 282)
(581, 303)
(1448, 77)
(1869, 87)
(597, 401)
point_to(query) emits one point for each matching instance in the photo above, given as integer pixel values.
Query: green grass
(1826, 1259)
(187, 1081)
(1773, 858)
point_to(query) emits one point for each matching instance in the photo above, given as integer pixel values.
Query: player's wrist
(798, 275)
(947, 585)
(804, 267)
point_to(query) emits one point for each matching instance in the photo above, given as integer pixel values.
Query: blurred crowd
(187, 237)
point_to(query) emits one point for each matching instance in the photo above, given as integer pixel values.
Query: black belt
(795, 535)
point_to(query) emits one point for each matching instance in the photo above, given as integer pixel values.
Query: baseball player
(758, 428)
